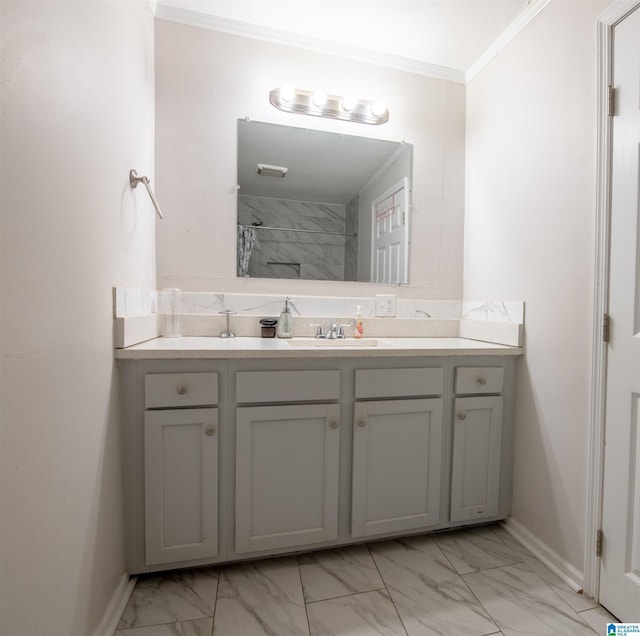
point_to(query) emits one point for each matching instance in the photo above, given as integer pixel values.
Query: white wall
(529, 235)
(206, 80)
(77, 114)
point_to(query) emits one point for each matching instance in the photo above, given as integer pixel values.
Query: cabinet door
(477, 442)
(397, 465)
(286, 475)
(181, 484)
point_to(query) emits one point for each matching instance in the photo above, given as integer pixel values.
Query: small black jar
(268, 327)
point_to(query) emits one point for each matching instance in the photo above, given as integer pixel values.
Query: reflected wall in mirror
(317, 205)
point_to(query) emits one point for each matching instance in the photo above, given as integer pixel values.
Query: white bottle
(285, 323)
(358, 325)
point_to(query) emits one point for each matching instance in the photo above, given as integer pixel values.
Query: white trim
(559, 566)
(244, 29)
(605, 23)
(117, 604)
(505, 37)
(618, 11)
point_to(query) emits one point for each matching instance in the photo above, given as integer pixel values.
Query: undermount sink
(332, 342)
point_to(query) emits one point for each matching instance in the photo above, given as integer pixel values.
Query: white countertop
(203, 347)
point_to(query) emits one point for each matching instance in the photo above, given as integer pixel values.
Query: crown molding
(505, 37)
(275, 36)
(189, 17)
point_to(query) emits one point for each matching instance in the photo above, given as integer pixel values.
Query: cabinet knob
(362, 423)
(333, 424)
(482, 381)
(181, 390)
(462, 415)
(210, 430)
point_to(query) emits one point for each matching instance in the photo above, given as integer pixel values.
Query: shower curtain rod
(293, 229)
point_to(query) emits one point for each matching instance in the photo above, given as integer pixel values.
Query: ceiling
(322, 166)
(448, 33)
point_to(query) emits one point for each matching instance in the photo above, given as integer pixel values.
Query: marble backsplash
(136, 315)
(137, 302)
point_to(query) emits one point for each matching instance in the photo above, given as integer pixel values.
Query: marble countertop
(245, 347)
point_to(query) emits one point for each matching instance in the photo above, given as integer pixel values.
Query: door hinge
(606, 327)
(611, 102)
(599, 539)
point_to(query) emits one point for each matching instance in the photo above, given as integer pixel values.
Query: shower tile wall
(279, 254)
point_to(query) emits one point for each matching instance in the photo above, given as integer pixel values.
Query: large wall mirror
(316, 205)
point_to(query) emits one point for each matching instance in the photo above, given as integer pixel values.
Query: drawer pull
(362, 423)
(482, 381)
(333, 424)
(181, 390)
(210, 430)
(462, 415)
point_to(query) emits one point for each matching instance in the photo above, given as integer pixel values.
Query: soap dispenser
(358, 325)
(285, 323)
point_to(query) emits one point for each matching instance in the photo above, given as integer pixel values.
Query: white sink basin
(332, 342)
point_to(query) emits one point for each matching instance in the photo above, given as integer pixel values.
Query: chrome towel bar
(134, 180)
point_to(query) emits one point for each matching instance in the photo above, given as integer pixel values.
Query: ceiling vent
(272, 171)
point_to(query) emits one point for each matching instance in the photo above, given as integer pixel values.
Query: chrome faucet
(335, 332)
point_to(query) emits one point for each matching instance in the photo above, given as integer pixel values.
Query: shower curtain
(246, 241)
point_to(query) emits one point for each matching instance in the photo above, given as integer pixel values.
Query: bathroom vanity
(250, 447)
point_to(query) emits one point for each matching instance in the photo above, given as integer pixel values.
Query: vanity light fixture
(321, 104)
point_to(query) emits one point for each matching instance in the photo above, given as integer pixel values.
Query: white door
(620, 563)
(286, 475)
(390, 495)
(390, 236)
(181, 484)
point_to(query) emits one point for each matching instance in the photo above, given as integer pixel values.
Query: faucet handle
(319, 332)
(341, 333)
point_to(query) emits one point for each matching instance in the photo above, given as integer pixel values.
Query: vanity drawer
(287, 386)
(180, 389)
(382, 383)
(476, 380)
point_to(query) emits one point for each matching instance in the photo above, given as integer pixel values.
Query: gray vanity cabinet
(287, 459)
(397, 450)
(230, 459)
(180, 467)
(477, 454)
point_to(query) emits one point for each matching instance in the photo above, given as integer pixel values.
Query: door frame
(605, 23)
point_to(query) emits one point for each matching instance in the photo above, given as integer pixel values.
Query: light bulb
(378, 108)
(349, 102)
(287, 93)
(319, 98)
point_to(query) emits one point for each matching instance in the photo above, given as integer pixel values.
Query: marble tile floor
(472, 582)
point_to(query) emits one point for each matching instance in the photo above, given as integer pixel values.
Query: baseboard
(559, 566)
(118, 602)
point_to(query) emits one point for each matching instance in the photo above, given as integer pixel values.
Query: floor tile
(511, 541)
(429, 595)
(261, 597)
(367, 614)
(520, 602)
(173, 596)
(597, 618)
(201, 627)
(577, 602)
(475, 549)
(332, 573)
